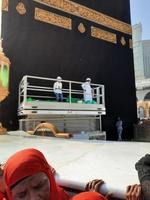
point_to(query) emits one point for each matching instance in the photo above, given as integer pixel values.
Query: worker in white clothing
(57, 87)
(87, 91)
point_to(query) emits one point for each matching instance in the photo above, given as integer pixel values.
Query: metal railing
(40, 88)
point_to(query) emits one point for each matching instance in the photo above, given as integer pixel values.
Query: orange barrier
(2, 130)
(45, 127)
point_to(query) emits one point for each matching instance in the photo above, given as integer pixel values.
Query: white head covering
(88, 79)
(59, 78)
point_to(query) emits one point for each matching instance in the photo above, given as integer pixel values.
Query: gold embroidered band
(103, 35)
(52, 18)
(88, 13)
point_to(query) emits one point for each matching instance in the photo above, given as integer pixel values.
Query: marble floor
(79, 161)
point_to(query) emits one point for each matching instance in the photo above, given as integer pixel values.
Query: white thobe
(87, 91)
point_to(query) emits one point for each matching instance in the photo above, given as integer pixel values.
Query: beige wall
(143, 108)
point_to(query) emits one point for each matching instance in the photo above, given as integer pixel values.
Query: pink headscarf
(88, 196)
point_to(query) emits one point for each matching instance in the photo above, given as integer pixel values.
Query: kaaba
(74, 39)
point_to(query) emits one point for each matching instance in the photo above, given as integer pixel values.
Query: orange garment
(88, 196)
(26, 163)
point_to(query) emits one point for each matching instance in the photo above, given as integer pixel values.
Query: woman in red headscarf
(29, 176)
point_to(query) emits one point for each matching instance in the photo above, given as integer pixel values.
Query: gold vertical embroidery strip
(5, 4)
(130, 43)
(88, 13)
(103, 35)
(52, 18)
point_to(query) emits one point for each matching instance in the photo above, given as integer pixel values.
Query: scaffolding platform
(37, 103)
(46, 108)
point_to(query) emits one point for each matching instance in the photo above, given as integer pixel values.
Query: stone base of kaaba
(93, 135)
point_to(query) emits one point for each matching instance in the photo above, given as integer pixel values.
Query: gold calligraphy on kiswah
(5, 4)
(103, 35)
(21, 9)
(52, 18)
(88, 13)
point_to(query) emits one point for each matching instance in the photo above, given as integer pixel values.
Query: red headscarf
(27, 163)
(2, 197)
(88, 196)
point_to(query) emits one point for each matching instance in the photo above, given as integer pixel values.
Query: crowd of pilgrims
(28, 176)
